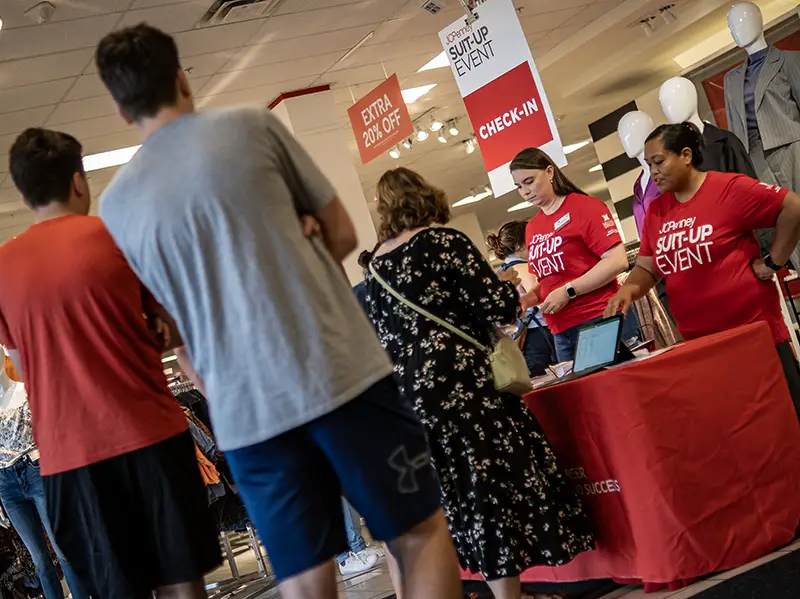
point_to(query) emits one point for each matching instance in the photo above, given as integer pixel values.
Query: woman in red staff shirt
(574, 249)
(698, 236)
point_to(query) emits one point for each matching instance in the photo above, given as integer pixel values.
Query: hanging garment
(654, 320)
(777, 100)
(725, 153)
(642, 199)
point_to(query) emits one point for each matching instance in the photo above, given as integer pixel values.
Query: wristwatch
(571, 293)
(770, 263)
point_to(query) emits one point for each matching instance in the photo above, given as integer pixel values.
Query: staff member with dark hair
(574, 249)
(698, 236)
(508, 244)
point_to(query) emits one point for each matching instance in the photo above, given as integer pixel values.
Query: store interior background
(594, 57)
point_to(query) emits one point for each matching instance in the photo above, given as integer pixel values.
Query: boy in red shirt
(123, 490)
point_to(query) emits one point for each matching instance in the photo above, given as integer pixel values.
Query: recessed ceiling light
(520, 206)
(412, 94)
(575, 147)
(597, 167)
(95, 162)
(422, 135)
(437, 62)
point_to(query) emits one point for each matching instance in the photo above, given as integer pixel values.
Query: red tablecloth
(689, 462)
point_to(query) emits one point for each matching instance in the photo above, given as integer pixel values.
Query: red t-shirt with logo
(704, 249)
(564, 246)
(73, 308)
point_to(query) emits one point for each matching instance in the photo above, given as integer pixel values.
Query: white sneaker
(358, 563)
(375, 550)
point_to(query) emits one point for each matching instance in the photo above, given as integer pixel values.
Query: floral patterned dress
(508, 505)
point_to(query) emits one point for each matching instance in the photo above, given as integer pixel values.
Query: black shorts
(135, 522)
(372, 450)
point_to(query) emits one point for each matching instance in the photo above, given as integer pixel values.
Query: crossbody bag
(509, 370)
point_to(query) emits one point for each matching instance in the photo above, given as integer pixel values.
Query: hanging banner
(502, 90)
(380, 120)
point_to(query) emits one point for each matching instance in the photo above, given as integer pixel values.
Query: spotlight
(436, 124)
(647, 27)
(442, 137)
(394, 153)
(407, 143)
(422, 135)
(453, 128)
(470, 146)
(667, 15)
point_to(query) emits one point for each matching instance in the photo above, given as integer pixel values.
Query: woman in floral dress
(508, 505)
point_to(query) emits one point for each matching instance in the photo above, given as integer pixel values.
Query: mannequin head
(678, 97)
(746, 24)
(633, 129)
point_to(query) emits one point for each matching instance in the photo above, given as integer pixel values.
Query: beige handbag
(509, 369)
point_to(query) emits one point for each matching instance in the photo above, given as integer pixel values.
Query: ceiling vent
(433, 6)
(223, 12)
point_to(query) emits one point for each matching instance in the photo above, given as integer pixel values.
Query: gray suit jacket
(777, 100)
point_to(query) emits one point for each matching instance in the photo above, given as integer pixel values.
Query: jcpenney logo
(456, 35)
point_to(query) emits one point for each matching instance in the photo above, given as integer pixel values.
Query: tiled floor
(377, 584)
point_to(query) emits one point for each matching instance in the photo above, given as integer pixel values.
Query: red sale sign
(508, 116)
(380, 120)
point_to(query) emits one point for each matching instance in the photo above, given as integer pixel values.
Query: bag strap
(424, 312)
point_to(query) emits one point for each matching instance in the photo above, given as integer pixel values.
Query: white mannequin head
(747, 26)
(633, 129)
(678, 97)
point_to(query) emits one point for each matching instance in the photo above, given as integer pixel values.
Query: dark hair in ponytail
(508, 239)
(536, 160)
(676, 138)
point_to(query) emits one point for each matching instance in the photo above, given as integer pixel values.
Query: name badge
(561, 222)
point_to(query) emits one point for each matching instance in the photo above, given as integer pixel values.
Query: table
(688, 463)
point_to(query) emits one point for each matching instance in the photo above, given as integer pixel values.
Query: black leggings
(538, 350)
(791, 371)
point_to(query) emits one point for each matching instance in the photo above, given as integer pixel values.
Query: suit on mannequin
(723, 151)
(762, 100)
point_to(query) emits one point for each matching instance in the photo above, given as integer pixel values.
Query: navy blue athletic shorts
(372, 450)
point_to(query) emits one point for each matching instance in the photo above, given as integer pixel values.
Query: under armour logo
(399, 460)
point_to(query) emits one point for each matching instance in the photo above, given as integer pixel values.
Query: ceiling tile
(44, 68)
(319, 21)
(304, 5)
(149, 3)
(78, 110)
(54, 37)
(291, 49)
(14, 12)
(216, 39)
(268, 74)
(32, 96)
(548, 21)
(16, 122)
(96, 127)
(171, 18)
(87, 86)
(261, 95)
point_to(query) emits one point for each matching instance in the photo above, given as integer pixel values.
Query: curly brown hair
(508, 239)
(407, 201)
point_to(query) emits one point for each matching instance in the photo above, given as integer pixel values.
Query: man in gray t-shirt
(208, 214)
